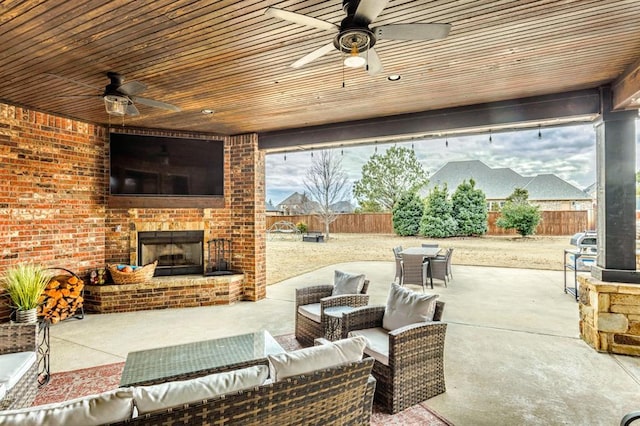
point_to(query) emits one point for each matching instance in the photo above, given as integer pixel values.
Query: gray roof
(342, 207)
(498, 184)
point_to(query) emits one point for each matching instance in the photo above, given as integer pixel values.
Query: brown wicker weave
(20, 338)
(306, 329)
(341, 395)
(139, 275)
(416, 358)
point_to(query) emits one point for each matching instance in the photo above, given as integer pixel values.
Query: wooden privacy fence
(565, 222)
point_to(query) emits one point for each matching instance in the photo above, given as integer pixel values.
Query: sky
(568, 152)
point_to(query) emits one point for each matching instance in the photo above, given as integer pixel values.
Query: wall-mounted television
(142, 165)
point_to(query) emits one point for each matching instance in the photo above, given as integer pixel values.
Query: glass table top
(169, 361)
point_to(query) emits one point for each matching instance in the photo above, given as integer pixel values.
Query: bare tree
(326, 184)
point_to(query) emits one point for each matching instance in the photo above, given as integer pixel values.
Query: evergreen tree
(407, 214)
(470, 209)
(437, 220)
(518, 214)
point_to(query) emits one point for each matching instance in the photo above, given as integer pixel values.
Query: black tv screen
(164, 166)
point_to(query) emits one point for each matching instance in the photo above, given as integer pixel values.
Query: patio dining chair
(310, 322)
(430, 245)
(398, 259)
(415, 270)
(441, 267)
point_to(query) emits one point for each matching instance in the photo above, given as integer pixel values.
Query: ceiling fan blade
(132, 88)
(374, 64)
(132, 110)
(313, 55)
(297, 18)
(74, 82)
(155, 104)
(368, 10)
(412, 31)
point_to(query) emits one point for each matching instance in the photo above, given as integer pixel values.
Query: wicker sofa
(18, 349)
(339, 394)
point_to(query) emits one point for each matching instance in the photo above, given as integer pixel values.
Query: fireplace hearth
(177, 252)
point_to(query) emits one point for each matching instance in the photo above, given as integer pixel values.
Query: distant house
(547, 191)
(297, 203)
(270, 209)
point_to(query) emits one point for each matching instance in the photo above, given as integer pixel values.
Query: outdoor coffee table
(198, 358)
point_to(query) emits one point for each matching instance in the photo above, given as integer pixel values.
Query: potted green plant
(25, 283)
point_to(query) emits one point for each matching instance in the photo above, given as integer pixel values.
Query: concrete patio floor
(513, 355)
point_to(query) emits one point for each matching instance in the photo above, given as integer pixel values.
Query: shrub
(302, 227)
(407, 213)
(518, 214)
(437, 220)
(469, 209)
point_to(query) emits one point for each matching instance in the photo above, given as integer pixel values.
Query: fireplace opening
(177, 252)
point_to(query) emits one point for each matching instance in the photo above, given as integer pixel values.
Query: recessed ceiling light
(393, 77)
(207, 111)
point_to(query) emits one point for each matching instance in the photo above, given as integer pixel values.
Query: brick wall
(53, 199)
(52, 191)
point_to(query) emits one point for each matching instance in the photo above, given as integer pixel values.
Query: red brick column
(248, 230)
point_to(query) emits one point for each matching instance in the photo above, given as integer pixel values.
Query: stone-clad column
(616, 222)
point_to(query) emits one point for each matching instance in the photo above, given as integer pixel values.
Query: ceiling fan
(354, 36)
(120, 97)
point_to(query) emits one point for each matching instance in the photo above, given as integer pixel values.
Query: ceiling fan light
(354, 61)
(116, 105)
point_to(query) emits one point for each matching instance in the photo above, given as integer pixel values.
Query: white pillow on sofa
(171, 394)
(314, 358)
(347, 283)
(405, 307)
(107, 407)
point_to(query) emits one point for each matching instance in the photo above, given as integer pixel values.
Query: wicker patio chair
(430, 245)
(441, 266)
(398, 259)
(20, 338)
(415, 368)
(415, 270)
(308, 329)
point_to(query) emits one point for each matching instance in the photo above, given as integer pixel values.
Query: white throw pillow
(171, 394)
(107, 407)
(347, 283)
(405, 307)
(314, 358)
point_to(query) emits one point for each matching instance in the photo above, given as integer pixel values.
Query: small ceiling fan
(354, 36)
(120, 97)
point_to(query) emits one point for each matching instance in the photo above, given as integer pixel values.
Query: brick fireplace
(54, 196)
(177, 252)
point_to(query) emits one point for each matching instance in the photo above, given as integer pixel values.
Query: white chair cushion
(377, 343)
(108, 407)
(13, 366)
(405, 307)
(171, 394)
(314, 358)
(311, 311)
(347, 283)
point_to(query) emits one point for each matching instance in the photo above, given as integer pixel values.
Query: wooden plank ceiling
(228, 56)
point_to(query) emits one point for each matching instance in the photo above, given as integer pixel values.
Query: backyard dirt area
(287, 258)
